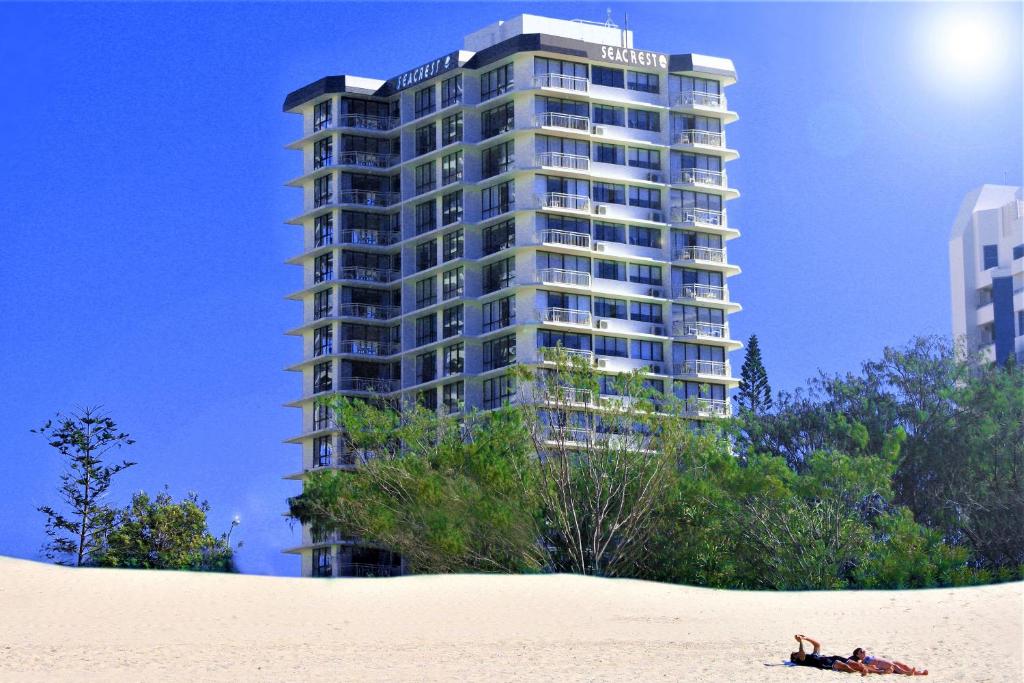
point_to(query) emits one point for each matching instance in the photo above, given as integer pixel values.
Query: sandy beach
(99, 624)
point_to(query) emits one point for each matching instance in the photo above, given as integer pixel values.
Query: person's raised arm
(812, 641)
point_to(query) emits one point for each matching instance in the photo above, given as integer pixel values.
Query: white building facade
(986, 265)
(547, 185)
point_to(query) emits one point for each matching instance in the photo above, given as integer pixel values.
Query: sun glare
(966, 45)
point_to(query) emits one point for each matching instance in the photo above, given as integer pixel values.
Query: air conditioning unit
(654, 291)
(601, 324)
(658, 330)
(600, 130)
(600, 209)
(602, 363)
(599, 246)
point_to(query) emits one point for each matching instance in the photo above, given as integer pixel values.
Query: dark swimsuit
(819, 661)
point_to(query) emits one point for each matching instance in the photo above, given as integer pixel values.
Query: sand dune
(100, 624)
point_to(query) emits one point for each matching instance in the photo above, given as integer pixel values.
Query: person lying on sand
(820, 661)
(884, 666)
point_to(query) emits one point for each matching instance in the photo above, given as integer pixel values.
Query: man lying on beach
(820, 661)
(884, 666)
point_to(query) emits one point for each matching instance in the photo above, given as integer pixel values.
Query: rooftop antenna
(625, 30)
(608, 17)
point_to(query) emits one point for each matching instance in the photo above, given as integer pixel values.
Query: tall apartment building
(547, 185)
(986, 266)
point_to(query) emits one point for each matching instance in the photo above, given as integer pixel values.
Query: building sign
(630, 57)
(425, 72)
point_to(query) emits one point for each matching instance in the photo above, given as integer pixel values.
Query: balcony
(362, 347)
(562, 82)
(711, 254)
(699, 330)
(363, 122)
(369, 238)
(570, 162)
(369, 198)
(559, 394)
(565, 202)
(374, 275)
(689, 216)
(568, 434)
(566, 238)
(373, 385)
(706, 407)
(705, 138)
(560, 276)
(700, 177)
(696, 98)
(549, 354)
(566, 316)
(553, 119)
(697, 291)
(701, 367)
(368, 312)
(367, 159)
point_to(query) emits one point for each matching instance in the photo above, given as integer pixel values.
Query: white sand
(100, 624)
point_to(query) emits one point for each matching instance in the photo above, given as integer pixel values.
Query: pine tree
(755, 394)
(82, 438)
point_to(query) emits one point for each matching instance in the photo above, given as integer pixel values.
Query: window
(451, 322)
(497, 199)
(426, 293)
(322, 304)
(323, 417)
(323, 451)
(322, 377)
(495, 82)
(496, 121)
(703, 162)
(609, 270)
(575, 73)
(637, 80)
(451, 245)
(609, 193)
(645, 313)
(990, 256)
(451, 168)
(500, 352)
(645, 158)
(322, 150)
(609, 232)
(706, 89)
(646, 197)
(554, 105)
(453, 361)
(451, 129)
(610, 308)
(426, 138)
(608, 115)
(425, 102)
(498, 391)
(644, 120)
(603, 75)
(567, 223)
(323, 230)
(426, 367)
(322, 115)
(426, 217)
(1020, 323)
(610, 346)
(322, 190)
(645, 275)
(452, 397)
(499, 236)
(609, 154)
(451, 91)
(323, 268)
(497, 159)
(451, 208)
(498, 275)
(499, 313)
(570, 340)
(322, 560)
(645, 237)
(427, 398)
(452, 283)
(426, 255)
(646, 350)
(1018, 252)
(425, 177)
(426, 329)
(323, 341)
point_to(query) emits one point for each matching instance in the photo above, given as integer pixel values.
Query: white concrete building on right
(986, 272)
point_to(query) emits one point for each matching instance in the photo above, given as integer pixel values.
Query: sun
(965, 45)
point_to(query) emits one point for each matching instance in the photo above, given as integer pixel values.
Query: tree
(755, 394)
(83, 439)
(158, 533)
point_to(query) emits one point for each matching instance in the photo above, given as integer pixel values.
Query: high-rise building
(986, 269)
(547, 185)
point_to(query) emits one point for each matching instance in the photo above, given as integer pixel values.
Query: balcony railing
(367, 159)
(700, 99)
(682, 328)
(689, 215)
(565, 237)
(707, 407)
(550, 353)
(568, 434)
(554, 119)
(369, 238)
(368, 571)
(556, 394)
(560, 276)
(380, 275)
(368, 384)
(698, 137)
(701, 367)
(368, 312)
(368, 198)
(367, 122)
(699, 254)
(562, 81)
(566, 316)
(575, 162)
(561, 200)
(362, 347)
(697, 291)
(699, 176)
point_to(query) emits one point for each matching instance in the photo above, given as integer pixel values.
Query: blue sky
(142, 200)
